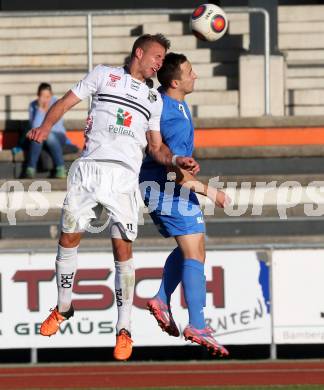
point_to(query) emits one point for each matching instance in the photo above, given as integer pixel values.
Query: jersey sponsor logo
(120, 130)
(135, 85)
(131, 96)
(124, 118)
(152, 96)
(113, 79)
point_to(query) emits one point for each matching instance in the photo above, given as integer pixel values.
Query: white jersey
(122, 110)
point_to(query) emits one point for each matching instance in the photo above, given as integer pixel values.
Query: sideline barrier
(260, 296)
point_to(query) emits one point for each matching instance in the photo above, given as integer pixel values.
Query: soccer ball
(208, 22)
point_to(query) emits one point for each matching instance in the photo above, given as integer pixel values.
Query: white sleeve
(154, 122)
(89, 85)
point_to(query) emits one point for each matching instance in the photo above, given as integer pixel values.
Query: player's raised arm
(55, 113)
(162, 154)
(220, 198)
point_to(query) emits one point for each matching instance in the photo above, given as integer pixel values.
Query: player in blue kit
(175, 209)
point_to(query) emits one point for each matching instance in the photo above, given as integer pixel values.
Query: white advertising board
(298, 296)
(236, 306)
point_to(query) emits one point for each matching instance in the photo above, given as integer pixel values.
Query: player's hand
(222, 199)
(189, 164)
(37, 134)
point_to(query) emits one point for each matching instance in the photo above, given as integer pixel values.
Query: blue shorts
(174, 210)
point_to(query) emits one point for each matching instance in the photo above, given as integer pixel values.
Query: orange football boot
(123, 348)
(52, 323)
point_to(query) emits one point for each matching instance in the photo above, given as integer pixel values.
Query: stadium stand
(37, 48)
(44, 52)
(238, 149)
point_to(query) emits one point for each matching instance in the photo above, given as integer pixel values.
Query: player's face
(188, 77)
(44, 98)
(151, 59)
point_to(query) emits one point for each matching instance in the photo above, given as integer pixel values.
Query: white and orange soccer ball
(208, 22)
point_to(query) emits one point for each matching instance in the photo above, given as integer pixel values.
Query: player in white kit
(124, 119)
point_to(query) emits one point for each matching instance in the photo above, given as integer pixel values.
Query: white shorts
(94, 186)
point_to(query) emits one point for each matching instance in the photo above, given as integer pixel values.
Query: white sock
(66, 265)
(124, 289)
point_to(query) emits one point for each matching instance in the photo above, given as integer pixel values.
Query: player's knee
(123, 254)
(122, 250)
(69, 240)
(200, 256)
(195, 254)
(193, 248)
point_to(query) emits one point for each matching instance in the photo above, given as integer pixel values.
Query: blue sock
(194, 287)
(172, 274)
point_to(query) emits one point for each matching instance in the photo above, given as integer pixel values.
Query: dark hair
(170, 69)
(146, 39)
(44, 87)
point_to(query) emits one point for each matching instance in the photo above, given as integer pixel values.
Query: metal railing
(89, 15)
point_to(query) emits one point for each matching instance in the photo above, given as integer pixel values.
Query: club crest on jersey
(124, 118)
(152, 97)
(113, 79)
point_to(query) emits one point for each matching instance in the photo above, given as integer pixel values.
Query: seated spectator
(56, 140)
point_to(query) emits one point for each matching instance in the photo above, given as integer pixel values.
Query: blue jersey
(173, 209)
(177, 132)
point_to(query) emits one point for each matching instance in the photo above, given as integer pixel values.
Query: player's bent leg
(172, 273)
(123, 209)
(77, 212)
(66, 265)
(160, 306)
(124, 289)
(194, 285)
(193, 278)
(192, 246)
(70, 240)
